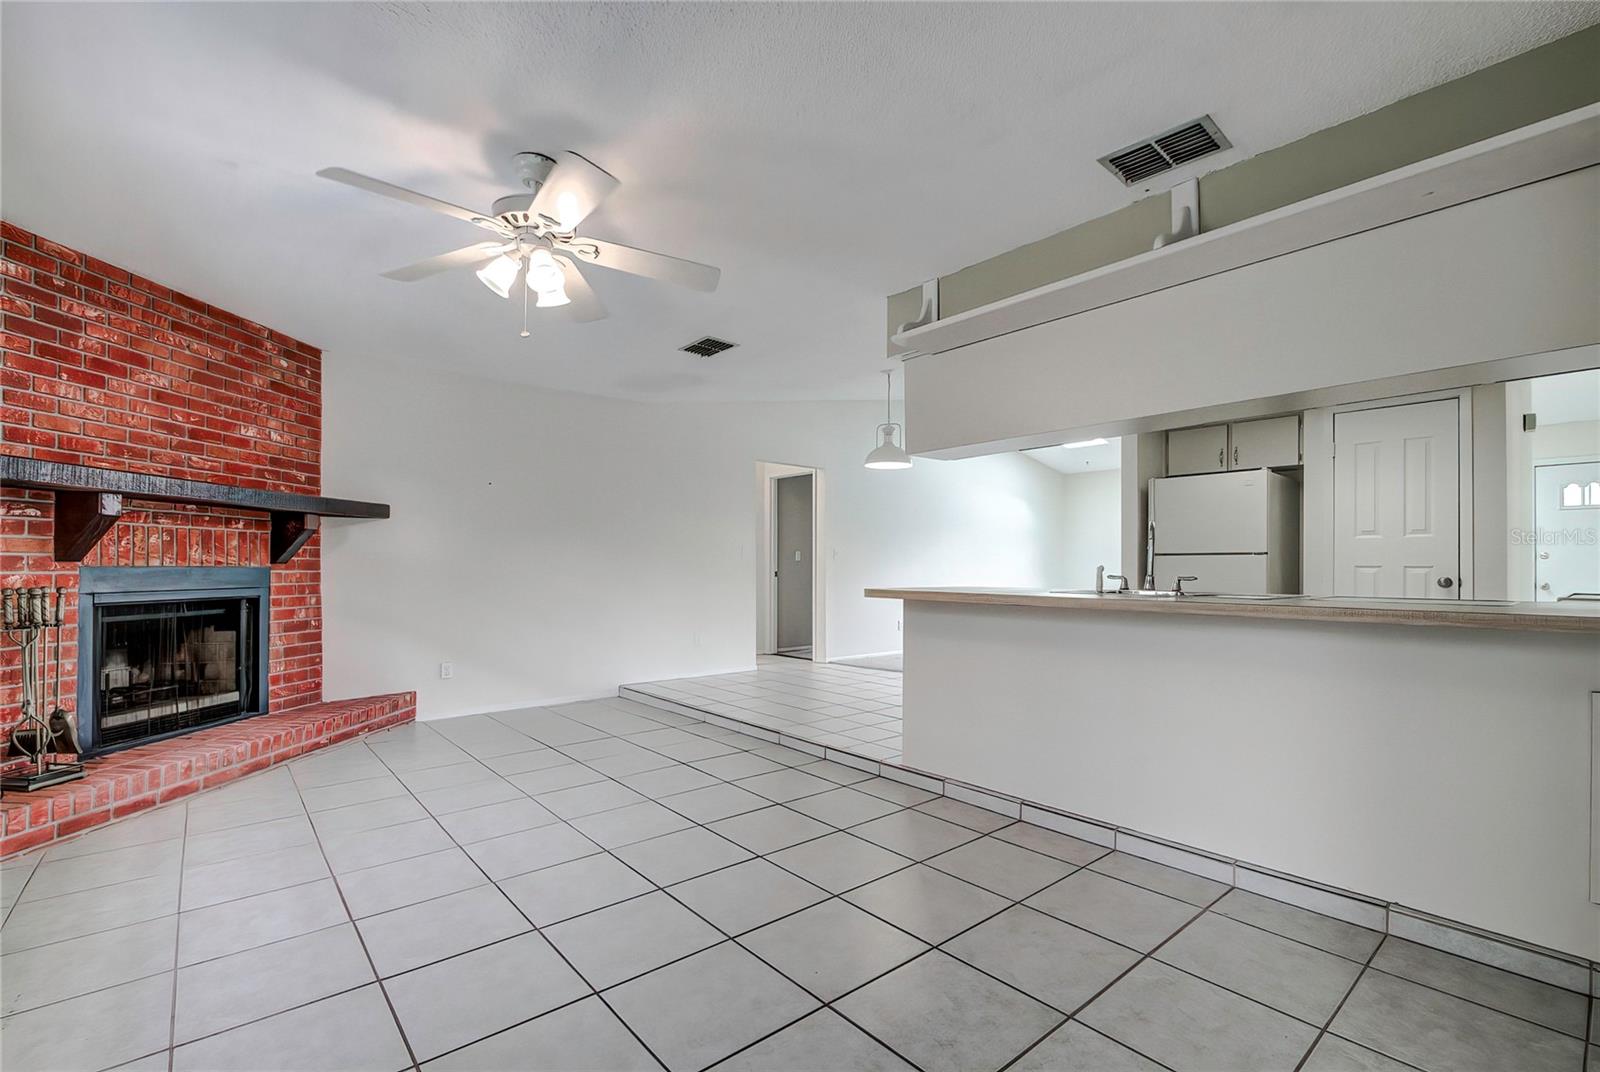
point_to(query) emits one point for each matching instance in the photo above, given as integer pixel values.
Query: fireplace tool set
(31, 619)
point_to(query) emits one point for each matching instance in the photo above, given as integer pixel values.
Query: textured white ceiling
(824, 155)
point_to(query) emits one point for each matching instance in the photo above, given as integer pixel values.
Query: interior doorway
(791, 526)
(790, 615)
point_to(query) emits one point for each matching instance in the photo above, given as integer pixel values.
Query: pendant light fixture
(890, 452)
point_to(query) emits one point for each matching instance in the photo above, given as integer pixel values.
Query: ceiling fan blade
(583, 304)
(573, 189)
(465, 257)
(620, 258)
(410, 197)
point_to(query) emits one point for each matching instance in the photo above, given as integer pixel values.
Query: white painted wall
(1507, 275)
(555, 546)
(1446, 769)
(1092, 526)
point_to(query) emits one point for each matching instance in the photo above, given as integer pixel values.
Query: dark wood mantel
(89, 501)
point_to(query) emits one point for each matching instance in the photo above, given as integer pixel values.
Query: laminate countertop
(1569, 617)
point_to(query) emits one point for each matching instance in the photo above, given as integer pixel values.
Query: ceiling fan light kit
(538, 236)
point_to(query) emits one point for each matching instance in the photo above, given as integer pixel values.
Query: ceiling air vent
(1166, 151)
(710, 346)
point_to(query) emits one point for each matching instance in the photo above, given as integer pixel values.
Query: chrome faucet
(1177, 584)
(1101, 577)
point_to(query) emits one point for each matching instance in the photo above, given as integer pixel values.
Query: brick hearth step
(126, 783)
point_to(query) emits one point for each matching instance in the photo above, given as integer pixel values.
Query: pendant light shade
(546, 279)
(500, 274)
(890, 453)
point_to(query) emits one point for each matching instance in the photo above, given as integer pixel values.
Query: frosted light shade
(500, 274)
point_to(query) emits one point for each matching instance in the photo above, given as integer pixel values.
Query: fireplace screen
(172, 666)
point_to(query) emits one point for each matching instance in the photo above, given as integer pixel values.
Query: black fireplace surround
(164, 651)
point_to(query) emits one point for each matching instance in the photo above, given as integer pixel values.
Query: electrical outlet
(447, 671)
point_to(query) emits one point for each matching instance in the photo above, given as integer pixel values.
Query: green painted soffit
(1547, 81)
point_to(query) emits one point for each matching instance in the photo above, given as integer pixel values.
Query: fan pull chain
(524, 312)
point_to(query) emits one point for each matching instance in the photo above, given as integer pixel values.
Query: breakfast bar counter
(1368, 745)
(1574, 616)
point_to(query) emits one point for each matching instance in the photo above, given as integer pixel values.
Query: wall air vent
(1164, 152)
(710, 346)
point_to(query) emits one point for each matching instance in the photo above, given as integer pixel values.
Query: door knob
(1545, 587)
(1446, 582)
(1544, 554)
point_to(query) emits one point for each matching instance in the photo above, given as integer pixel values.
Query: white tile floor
(852, 708)
(609, 885)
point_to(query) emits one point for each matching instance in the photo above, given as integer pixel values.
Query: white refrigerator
(1238, 533)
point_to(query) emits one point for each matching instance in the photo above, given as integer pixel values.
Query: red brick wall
(105, 368)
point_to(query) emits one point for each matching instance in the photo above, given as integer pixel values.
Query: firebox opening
(167, 650)
(173, 666)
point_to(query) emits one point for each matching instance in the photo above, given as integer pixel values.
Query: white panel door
(1397, 501)
(1566, 512)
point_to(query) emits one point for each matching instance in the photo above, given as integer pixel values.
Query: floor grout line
(361, 938)
(177, 943)
(1334, 1015)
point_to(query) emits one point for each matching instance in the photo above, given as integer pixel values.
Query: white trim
(1313, 897)
(1071, 825)
(979, 798)
(1522, 958)
(1182, 857)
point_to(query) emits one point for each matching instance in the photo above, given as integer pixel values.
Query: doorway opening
(1553, 487)
(789, 593)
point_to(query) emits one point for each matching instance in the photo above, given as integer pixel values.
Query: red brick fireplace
(103, 368)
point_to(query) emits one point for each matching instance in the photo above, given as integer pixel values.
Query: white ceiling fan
(536, 237)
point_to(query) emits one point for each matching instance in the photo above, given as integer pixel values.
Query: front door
(1397, 509)
(1566, 512)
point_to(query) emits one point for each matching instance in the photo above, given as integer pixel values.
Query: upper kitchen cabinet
(1272, 443)
(1197, 450)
